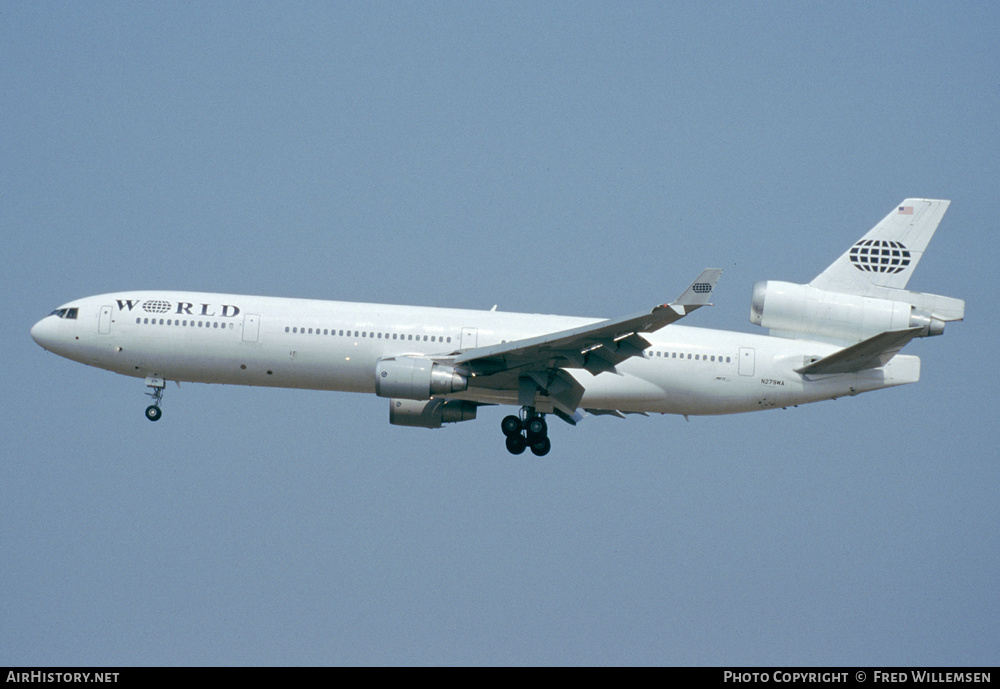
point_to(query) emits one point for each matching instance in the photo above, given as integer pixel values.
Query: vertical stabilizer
(889, 253)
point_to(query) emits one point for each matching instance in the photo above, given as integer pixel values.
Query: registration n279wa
(839, 335)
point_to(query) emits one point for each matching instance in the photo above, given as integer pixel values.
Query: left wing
(536, 363)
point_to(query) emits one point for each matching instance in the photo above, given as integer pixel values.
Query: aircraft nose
(43, 331)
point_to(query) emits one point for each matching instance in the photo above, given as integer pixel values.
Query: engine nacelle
(416, 378)
(789, 308)
(430, 414)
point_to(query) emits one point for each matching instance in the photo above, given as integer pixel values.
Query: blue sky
(575, 158)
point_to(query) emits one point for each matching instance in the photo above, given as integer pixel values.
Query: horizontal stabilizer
(871, 353)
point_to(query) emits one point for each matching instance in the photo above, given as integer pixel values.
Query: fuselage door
(469, 337)
(104, 322)
(251, 327)
(746, 361)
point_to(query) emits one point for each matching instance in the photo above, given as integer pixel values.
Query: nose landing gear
(528, 430)
(153, 411)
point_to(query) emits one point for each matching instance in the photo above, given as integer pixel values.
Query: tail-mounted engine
(416, 378)
(792, 310)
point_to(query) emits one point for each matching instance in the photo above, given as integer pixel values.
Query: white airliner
(839, 335)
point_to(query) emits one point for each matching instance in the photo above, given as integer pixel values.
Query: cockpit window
(66, 313)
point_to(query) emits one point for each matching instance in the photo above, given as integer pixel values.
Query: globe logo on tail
(879, 256)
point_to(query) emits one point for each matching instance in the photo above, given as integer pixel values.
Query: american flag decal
(906, 210)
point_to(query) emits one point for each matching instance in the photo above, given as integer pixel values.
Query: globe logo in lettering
(155, 306)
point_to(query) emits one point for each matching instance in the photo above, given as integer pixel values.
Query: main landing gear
(528, 430)
(153, 411)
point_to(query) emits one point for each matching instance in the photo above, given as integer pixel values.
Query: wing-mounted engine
(416, 378)
(430, 413)
(791, 310)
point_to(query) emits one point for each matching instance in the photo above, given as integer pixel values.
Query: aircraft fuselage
(332, 345)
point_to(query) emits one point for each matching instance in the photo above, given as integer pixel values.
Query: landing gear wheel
(541, 446)
(527, 430)
(155, 384)
(516, 444)
(511, 425)
(537, 427)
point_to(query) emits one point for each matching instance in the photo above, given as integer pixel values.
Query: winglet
(700, 291)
